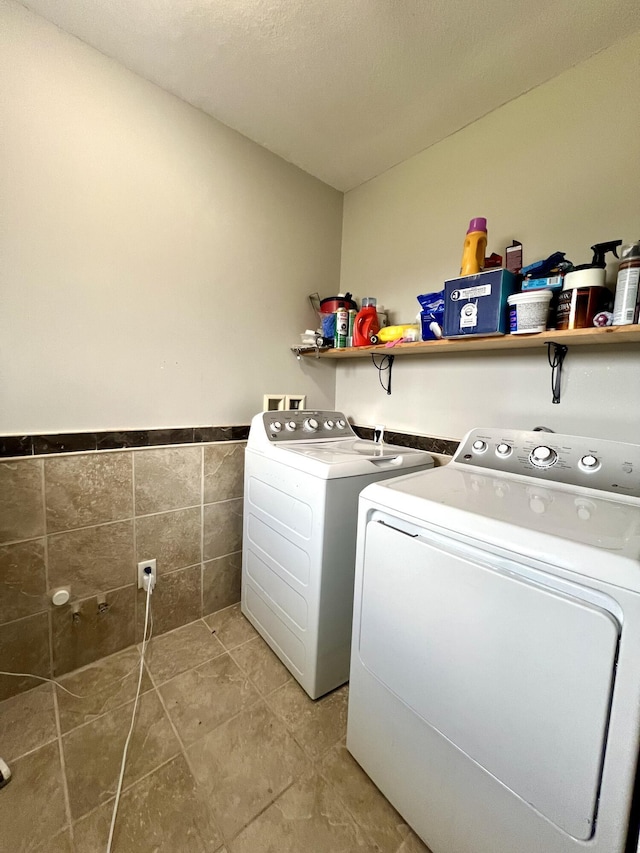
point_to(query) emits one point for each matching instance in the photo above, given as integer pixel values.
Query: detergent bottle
(366, 323)
(475, 246)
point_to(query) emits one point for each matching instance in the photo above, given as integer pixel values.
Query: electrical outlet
(143, 568)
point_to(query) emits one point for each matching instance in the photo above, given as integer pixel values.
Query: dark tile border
(416, 442)
(81, 442)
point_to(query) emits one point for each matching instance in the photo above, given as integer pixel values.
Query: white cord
(149, 583)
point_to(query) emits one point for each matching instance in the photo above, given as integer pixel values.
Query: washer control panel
(305, 425)
(610, 466)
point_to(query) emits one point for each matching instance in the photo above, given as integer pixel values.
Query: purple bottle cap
(477, 224)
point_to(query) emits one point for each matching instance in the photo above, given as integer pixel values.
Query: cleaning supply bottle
(366, 323)
(475, 246)
(625, 308)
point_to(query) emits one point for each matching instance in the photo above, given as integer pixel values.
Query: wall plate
(296, 401)
(274, 402)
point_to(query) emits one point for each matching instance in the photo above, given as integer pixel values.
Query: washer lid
(349, 457)
(559, 525)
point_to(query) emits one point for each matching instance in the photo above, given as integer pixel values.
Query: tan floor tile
(231, 627)
(87, 489)
(22, 580)
(307, 817)
(262, 666)
(316, 725)
(170, 654)
(93, 559)
(93, 752)
(27, 722)
(176, 601)
(221, 582)
(61, 843)
(95, 634)
(32, 804)
(412, 844)
(163, 813)
(203, 698)
(172, 538)
(244, 764)
(21, 512)
(167, 478)
(24, 647)
(102, 686)
(369, 808)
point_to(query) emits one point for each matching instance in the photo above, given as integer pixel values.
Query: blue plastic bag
(432, 315)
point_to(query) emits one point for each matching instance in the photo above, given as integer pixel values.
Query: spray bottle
(475, 246)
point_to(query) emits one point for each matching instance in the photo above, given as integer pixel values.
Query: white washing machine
(494, 695)
(304, 471)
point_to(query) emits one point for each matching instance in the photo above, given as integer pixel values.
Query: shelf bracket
(385, 365)
(556, 354)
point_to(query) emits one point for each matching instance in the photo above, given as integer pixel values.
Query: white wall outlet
(143, 568)
(273, 402)
(295, 401)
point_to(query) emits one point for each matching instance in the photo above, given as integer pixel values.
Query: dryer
(495, 673)
(304, 471)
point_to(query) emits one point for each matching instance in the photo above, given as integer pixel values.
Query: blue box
(477, 304)
(553, 282)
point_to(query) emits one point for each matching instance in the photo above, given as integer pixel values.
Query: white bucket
(528, 311)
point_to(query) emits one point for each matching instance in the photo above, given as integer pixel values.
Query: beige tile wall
(84, 521)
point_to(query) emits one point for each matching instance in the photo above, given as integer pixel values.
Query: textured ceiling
(345, 89)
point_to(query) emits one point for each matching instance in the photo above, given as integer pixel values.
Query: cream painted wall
(155, 264)
(558, 169)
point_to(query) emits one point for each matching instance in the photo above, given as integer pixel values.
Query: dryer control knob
(291, 426)
(479, 445)
(590, 462)
(341, 424)
(329, 424)
(503, 450)
(311, 424)
(276, 426)
(542, 456)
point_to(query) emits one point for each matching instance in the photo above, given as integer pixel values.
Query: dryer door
(517, 675)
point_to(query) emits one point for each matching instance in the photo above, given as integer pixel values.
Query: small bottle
(475, 246)
(342, 326)
(627, 287)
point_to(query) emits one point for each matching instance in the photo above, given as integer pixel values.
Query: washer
(495, 673)
(303, 473)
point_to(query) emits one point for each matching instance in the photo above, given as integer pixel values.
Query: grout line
(45, 554)
(65, 785)
(126, 788)
(202, 537)
(183, 750)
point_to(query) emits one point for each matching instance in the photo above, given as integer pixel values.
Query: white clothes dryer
(304, 471)
(495, 674)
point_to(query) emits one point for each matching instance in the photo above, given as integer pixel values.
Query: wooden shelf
(607, 336)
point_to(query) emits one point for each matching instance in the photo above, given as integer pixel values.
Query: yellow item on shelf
(394, 333)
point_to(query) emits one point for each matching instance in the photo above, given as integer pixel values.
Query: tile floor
(228, 755)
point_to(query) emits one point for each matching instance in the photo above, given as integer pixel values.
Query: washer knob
(311, 424)
(538, 504)
(341, 424)
(479, 445)
(276, 426)
(503, 449)
(543, 456)
(589, 461)
(329, 424)
(291, 426)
